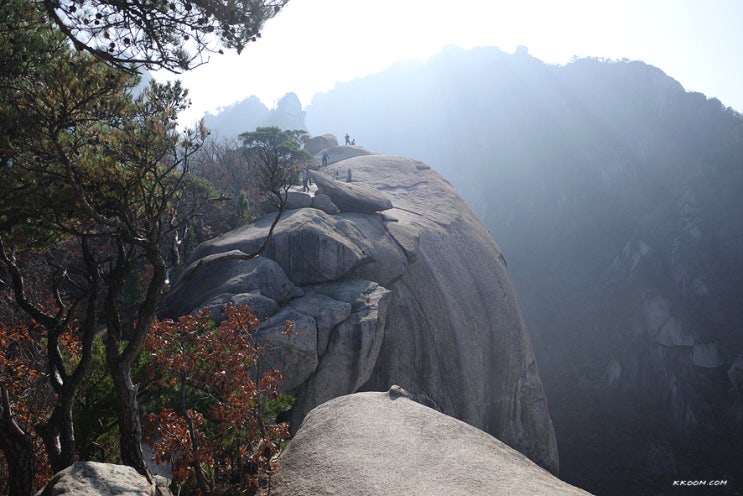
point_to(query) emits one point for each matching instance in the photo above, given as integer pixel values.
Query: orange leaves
(239, 319)
(174, 444)
(220, 434)
(269, 382)
(20, 359)
(288, 329)
(22, 375)
(71, 347)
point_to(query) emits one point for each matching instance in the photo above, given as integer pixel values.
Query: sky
(313, 44)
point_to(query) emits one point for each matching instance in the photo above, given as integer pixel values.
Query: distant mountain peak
(250, 113)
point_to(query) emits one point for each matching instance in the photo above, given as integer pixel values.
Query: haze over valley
(615, 196)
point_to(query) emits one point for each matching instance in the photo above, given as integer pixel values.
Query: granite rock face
(100, 479)
(351, 197)
(316, 144)
(337, 153)
(409, 290)
(382, 444)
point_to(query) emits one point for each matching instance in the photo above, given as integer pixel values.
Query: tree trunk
(17, 446)
(20, 458)
(130, 429)
(120, 364)
(58, 433)
(196, 464)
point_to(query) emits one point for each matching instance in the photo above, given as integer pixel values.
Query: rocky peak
(402, 285)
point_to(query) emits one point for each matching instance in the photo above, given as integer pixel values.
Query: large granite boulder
(308, 244)
(293, 199)
(223, 275)
(338, 153)
(100, 479)
(324, 203)
(385, 444)
(417, 295)
(346, 364)
(316, 144)
(351, 197)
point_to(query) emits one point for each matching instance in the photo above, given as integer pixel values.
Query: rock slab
(351, 197)
(385, 444)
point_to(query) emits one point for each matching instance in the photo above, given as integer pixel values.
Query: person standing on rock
(348, 139)
(325, 159)
(306, 179)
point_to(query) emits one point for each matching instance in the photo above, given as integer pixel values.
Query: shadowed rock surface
(385, 444)
(431, 304)
(316, 144)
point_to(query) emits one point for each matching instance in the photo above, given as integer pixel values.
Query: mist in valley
(615, 197)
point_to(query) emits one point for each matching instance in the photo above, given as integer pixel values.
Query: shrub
(217, 424)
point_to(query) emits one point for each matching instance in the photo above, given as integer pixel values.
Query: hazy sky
(312, 44)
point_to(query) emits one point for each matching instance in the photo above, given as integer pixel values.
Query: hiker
(306, 179)
(325, 159)
(348, 139)
(353, 142)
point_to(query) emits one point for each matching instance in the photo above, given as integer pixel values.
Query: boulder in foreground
(102, 479)
(385, 444)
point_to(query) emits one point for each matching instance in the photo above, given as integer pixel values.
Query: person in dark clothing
(306, 179)
(348, 139)
(325, 159)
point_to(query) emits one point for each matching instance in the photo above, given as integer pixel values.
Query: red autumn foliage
(22, 376)
(219, 434)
